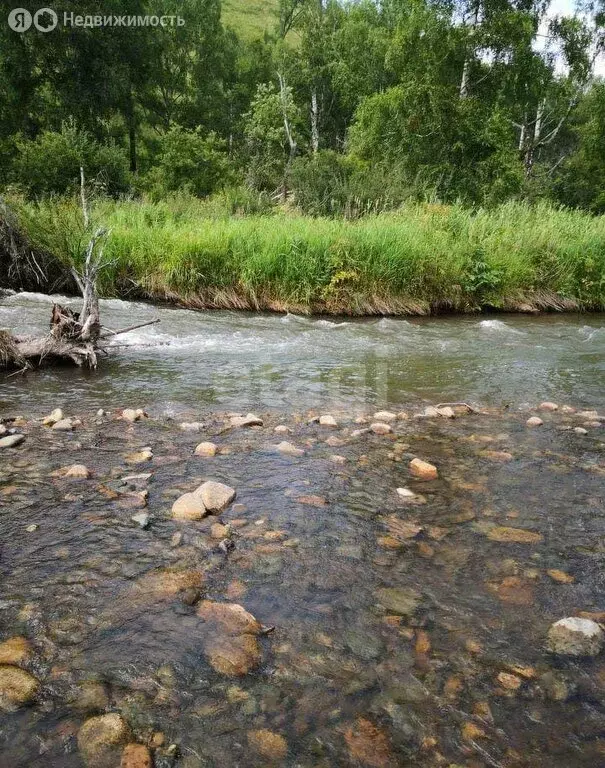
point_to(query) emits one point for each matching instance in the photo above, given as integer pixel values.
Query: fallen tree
(75, 337)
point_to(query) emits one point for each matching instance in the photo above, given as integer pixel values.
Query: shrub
(50, 165)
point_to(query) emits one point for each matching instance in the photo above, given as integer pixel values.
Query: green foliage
(421, 256)
(50, 165)
(188, 161)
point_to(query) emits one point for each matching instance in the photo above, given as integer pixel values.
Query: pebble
(53, 418)
(100, 739)
(385, 416)
(534, 421)
(580, 431)
(282, 429)
(246, 421)
(548, 406)
(10, 441)
(206, 449)
(32, 528)
(447, 412)
(17, 687)
(423, 470)
(269, 745)
(573, 636)
(142, 519)
(130, 415)
(64, 425)
(380, 428)
(77, 471)
(289, 449)
(327, 420)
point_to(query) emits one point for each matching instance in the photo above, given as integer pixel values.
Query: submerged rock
(573, 636)
(101, 738)
(64, 425)
(327, 420)
(400, 600)
(231, 644)
(385, 416)
(269, 745)
(53, 418)
(368, 745)
(141, 519)
(514, 535)
(423, 470)
(534, 421)
(289, 449)
(136, 756)
(17, 687)
(15, 650)
(548, 406)
(380, 428)
(10, 441)
(77, 471)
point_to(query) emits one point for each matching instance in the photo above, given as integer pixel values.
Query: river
(400, 628)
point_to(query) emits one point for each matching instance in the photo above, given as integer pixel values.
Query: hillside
(250, 18)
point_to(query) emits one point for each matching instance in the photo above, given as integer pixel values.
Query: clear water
(83, 586)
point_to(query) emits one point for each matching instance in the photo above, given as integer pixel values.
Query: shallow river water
(404, 629)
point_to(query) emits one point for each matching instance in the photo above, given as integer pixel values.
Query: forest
(315, 109)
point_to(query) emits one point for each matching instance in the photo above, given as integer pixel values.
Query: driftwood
(75, 337)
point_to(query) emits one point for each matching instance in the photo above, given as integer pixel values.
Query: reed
(423, 258)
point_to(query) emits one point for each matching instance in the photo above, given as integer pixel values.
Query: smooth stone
(327, 420)
(15, 650)
(77, 471)
(101, 738)
(10, 441)
(141, 519)
(215, 496)
(231, 644)
(136, 756)
(534, 421)
(206, 449)
(32, 528)
(385, 416)
(269, 745)
(289, 449)
(548, 406)
(380, 428)
(130, 415)
(191, 426)
(282, 429)
(573, 636)
(17, 687)
(91, 696)
(580, 431)
(64, 425)
(447, 412)
(423, 470)
(189, 506)
(250, 420)
(53, 418)
(405, 493)
(3, 429)
(402, 601)
(145, 454)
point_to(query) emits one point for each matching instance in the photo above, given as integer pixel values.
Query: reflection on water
(228, 359)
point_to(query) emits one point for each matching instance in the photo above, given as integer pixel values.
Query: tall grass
(423, 258)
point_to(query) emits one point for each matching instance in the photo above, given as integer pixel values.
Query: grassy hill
(250, 18)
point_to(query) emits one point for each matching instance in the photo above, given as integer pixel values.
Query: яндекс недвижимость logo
(44, 20)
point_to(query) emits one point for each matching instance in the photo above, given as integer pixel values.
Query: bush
(50, 165)
(188, 161)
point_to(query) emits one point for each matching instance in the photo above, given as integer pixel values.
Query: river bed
(399, 628)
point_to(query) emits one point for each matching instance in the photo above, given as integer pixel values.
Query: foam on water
(499, 326)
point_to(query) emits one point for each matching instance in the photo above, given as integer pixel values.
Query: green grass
(420, 259)
(251, 19)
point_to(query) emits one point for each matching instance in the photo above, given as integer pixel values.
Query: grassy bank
(422, 259)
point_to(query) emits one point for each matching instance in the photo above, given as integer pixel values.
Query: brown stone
(423, 470)
(101, 738)
(189, 507)
(268, 744)
(560, 576)
(368, 745)
(514, 535)
(15, 650)
(17, 687)
(136, 756)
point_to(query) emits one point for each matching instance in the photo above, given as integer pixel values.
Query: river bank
(394, 610)
(424, 259)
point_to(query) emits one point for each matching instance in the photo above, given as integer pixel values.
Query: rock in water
(267, 744)
(534, 421)
(15, 650)
(189, 506)
(10, 441)
(64, 425)
(379, 428)
(327, 420)
(215, 496)
(230, 644)
(136, 756)
(246, 421)
(547, 406)
(206, 449)
(141, 519)
(289, 449)
(400, 600)
(100, 740)
(53, 418)
(573, 636)
(385, 416)
(17, 687)
(77, 471)
(423, 470)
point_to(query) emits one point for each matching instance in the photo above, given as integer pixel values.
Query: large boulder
(189, 506)
(573, 636)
